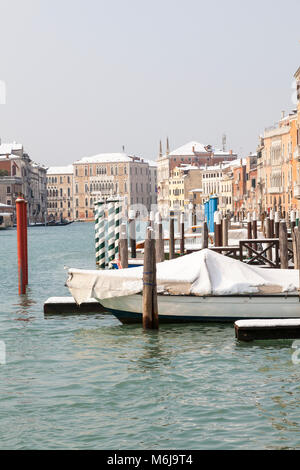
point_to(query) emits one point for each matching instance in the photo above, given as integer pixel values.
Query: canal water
(90, 383)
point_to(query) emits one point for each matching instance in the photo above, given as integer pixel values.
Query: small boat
(201, 287)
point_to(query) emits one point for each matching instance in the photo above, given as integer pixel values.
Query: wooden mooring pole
(171, 237)
(159, 245)
(123, 247)
(132, 233)
(225, 231)
(182, 233)
(283, 245)
(205, 235)
(276, 224)
(150, 307)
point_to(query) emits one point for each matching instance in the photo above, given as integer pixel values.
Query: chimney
(282, 114)
(230, 152)
(193, 149)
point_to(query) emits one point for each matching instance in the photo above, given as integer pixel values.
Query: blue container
(213, 207)
(206, 212)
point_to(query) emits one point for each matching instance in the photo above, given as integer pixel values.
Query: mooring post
(205, 235)
(100, 234)
(191, 208)
(26, 243)
(132, 233)
(123, 247)
(272, 225)
(218, 229)
(293, 220)
(295, 247)
(150, 307)
(249, 231)
(151, 219)
(182, 233)
(225, 231)
(276, 224)
(159, 245)
(21, 241)
(283, 245)
(118, 218)
(268, 235)
(254, 228)
(171, 237)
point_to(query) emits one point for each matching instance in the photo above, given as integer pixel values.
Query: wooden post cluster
(150, 306)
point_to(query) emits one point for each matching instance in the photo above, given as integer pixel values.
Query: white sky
(88, 76)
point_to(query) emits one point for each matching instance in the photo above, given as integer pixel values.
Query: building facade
(19, 175)
(111, 176)
(60, 193)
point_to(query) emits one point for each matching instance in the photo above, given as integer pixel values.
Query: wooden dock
(68, 306)
(250, 330)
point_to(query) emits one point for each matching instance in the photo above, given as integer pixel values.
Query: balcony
(297, 191)
(297, 153)
(275, 190)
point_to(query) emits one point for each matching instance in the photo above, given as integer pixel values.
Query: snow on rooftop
(60, 170)
(151, 163)
(106, 158)
(187, 149)
(9, 148)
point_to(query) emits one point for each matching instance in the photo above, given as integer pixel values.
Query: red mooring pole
(26, 242)
(22, 243)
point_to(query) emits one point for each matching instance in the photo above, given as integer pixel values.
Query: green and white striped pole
(111, 231)
(117, 226)
(100, 234)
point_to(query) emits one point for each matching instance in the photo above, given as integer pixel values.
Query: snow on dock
(68, 306)
(250, 330)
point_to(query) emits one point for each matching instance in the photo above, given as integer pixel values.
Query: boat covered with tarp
(202, 286)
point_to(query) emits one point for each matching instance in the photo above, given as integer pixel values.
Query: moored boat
(201, 287)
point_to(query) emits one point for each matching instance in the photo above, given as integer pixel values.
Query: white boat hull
(179, 309)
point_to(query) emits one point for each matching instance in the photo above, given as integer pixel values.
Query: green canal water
(90, 383)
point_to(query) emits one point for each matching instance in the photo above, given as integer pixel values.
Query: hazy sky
(88, 76)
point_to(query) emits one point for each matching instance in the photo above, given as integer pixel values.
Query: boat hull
(189, 309)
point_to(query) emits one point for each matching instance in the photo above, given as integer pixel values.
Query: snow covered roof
(106, 158)
(7, 149)
(60, 170)
(187, 149)
(151, 163)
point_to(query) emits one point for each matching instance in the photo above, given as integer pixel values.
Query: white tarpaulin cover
(201, 273)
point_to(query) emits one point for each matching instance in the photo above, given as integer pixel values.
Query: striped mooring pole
(100, 234)
(111, 231)
(117, 226)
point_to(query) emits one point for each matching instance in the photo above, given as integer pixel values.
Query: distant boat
(53, 223)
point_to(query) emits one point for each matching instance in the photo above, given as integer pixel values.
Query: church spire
(160, 149)
(168, 147)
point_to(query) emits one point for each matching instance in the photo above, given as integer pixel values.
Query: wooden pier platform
(250, 330)
(68, 306)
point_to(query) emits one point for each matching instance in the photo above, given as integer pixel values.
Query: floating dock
(250, 330)
(68, 306)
